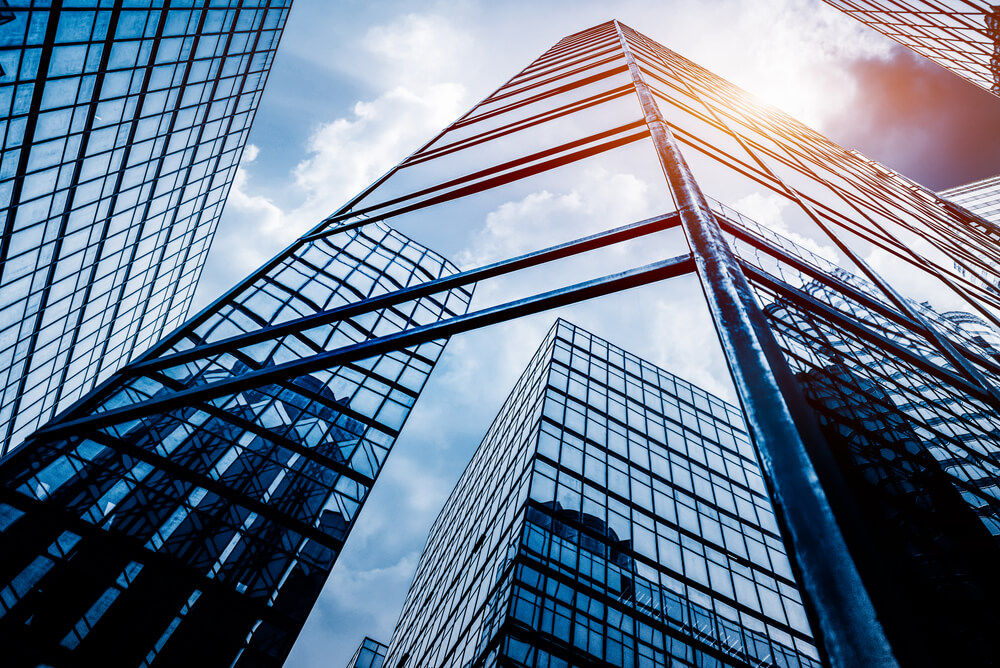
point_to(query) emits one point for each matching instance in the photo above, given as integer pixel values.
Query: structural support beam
(426, 289)
(598, 287)
(847, 627)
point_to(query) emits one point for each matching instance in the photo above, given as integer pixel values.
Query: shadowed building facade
(614, 515)
(202, 531)
(911, 478)
(122, 129)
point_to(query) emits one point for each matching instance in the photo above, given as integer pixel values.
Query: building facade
(614, 515)
(981, 198)
(370, 654)
(122, 132)
(909, 469)
(960, 35)
(150, 527)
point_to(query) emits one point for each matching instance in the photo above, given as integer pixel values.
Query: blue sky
(358, 85)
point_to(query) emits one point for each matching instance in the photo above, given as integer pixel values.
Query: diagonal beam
(550, 254)
(778, 418)
(497, 175)
(651, 273)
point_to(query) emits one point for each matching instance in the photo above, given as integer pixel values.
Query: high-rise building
(614, 515)
(123, 125)
(907, 245)
(960, 35)
(612, 101)
(370, 654)
(981, 198)
(201, 530)
(922, 502)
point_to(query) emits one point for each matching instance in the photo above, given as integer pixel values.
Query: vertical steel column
(848, 630)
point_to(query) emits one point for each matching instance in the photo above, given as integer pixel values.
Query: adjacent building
(911, 472)
(121, 129)
(614, 515)
(191, 510)
(961, 35)
(981, 198)
(370, 654)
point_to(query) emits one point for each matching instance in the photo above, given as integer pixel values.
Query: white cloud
(419, 50)
(342, 157)
(599, 202)
(789, 53)
(347, 154)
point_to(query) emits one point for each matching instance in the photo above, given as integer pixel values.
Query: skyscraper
(202, 530)
(981, 198)
(370, 654)
(613, 515)
(607, 98)
(122, 131)
(960, 35)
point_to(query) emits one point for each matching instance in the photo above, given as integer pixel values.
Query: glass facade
(910, 469)
(961, 35)
(613, 515)
(370, 654)
(981, 198)
(854, 309)
(158, 525)
(120, 131)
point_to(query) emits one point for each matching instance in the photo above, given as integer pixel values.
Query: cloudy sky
(357, 85)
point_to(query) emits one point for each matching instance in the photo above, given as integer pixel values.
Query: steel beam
(426, 289)
(846, 624)
(442, 329)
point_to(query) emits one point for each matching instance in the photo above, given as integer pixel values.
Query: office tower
(190, 510)
(611, 105)
(960, 35)
(370, 654)
(122, 130)
(924, 504)
(981, 198)
(726, 158)
(613, 515)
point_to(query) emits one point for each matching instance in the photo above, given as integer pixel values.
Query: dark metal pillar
(847, 628)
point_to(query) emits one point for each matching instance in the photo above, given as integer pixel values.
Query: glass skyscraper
(960, 35)
(191, 509)
(120, 131)
(370, 654)
(215, 435)
(614, 515)
(981, 198)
